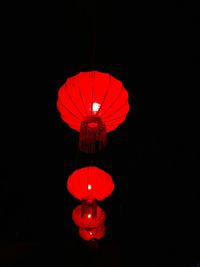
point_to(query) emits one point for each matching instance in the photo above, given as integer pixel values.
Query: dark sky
(152, 48)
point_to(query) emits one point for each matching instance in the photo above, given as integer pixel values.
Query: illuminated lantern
(90, 183)
(96, 233)
(93, 103)
(85, 216)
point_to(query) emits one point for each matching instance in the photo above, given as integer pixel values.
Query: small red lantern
(93, 103)
(96, 233)
(87, 217)
(90, 183)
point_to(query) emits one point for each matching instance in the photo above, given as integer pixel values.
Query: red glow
(90, 183)
(93, 93)
(96, 233)
(98, 97)
(88, 220)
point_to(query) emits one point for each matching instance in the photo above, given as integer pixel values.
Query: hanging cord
(93, 65)
(94, 41)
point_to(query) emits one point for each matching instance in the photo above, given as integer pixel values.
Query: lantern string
(94, 35)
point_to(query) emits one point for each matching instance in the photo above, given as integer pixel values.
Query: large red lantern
(90, 183)
(85, 216)
(96, 233)
(93, 103)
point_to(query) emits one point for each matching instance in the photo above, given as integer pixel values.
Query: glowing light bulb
(95, 106)
(90, 233)
(89, 215)
(89, 186)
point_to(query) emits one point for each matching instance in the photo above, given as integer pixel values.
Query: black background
(152, 216)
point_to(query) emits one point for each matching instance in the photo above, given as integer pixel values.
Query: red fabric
(96, 233)
(90, 183)
(93, 93)
(89, 219)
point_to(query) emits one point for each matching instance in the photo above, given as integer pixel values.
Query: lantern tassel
(93, 135)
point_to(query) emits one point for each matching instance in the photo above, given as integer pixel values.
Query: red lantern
(96, 233)
(90, 183)
(93, 103)
(85, 216)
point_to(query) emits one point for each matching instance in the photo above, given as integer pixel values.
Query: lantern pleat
(68, 115)
(119, 108)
